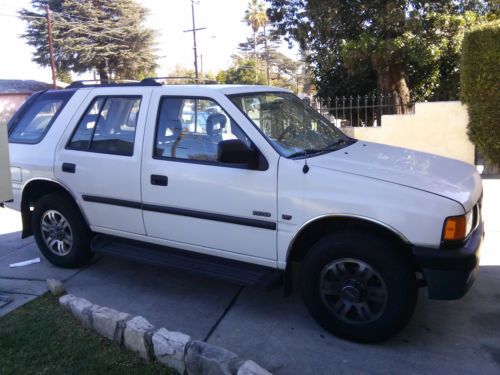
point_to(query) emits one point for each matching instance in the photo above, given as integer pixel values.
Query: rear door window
(108, 126)
(34, 122)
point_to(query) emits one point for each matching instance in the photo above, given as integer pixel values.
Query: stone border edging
(173, 349)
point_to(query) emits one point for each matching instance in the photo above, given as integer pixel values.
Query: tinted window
(191, 129)
(108, 126)
(32, 124)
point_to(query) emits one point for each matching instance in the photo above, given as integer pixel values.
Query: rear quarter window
(33, 120)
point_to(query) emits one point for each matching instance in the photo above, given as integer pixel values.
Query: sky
(222, 18)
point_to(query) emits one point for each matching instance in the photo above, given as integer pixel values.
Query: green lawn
(42, 338)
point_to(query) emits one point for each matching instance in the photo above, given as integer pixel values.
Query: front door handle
(159, 180)
(69, 167)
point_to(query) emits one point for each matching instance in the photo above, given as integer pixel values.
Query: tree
(284, 71)
(64, 76)
(480, 89)
(272, 39)
(103, 35)
(357, 47)
(256, 17)
(244, 71)
(280, 69)
(181, 71)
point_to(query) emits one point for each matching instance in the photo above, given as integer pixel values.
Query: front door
(189, 198)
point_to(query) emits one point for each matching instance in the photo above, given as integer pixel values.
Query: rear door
(99, 158)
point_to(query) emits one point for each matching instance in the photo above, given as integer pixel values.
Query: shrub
(480, 87)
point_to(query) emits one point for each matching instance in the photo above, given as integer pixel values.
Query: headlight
(456, 228)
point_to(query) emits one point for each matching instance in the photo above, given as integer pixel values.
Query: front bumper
(449, 273)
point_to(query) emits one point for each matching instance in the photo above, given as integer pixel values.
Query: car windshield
(290, 125)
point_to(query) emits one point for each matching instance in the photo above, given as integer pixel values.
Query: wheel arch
(319, 227)
(33, 190)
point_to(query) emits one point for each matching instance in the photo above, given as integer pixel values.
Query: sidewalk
(443, 337)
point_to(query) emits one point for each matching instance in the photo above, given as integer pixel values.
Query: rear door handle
(159, 180)
(69, 167)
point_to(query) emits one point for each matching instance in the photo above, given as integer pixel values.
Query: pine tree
(103, 35)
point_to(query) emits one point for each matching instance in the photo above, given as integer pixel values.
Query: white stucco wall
(438, 127)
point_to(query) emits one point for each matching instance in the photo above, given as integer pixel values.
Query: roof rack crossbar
(191, 79)
(83, 83)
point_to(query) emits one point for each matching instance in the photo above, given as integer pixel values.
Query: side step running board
(241, 273)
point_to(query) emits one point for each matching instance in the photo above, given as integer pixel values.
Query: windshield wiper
(309, 151)
(312, 151)
(338, 142)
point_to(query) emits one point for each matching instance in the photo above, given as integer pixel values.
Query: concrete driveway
(443, 337)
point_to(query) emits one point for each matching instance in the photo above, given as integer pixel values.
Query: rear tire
(358, 286)
(60, 231)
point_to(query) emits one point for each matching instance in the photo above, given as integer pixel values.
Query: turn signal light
(455, 228)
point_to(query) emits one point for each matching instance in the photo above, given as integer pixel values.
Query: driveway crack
(20, 293)
(20, 278)
(231, 304)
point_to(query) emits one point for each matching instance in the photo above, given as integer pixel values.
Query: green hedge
(480, 87)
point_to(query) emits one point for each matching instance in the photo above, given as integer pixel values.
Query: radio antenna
(305, 168)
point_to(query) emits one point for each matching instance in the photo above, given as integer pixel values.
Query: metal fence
(361, 110)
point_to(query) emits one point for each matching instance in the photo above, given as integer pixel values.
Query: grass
(42, 338)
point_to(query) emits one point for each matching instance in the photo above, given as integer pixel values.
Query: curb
(173, 349)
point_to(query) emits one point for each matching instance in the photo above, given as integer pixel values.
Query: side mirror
(235, 151)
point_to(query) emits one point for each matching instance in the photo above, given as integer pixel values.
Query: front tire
(60, 231)
(358, 286)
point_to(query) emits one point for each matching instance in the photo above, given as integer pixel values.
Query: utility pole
(201, 64)
(193, 30)
(51, 49)
(267, 55)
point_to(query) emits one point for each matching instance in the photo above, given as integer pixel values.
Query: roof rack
(86, 83)
(149, 81)
(165, 80)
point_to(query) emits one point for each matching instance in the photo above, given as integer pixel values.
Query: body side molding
(263, 224)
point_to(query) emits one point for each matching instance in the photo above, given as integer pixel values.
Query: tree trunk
(103, 74)
(255, 47)
(255, 53)
(391, 80)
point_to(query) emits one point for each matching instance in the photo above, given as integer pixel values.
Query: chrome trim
(350, 216)
(61, 185)
(476, 216)
(476, 219)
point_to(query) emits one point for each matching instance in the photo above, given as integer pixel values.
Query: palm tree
(256, 17)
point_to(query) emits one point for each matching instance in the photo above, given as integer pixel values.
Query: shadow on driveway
(443, 337)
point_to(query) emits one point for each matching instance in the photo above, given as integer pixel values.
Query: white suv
(239, 183)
